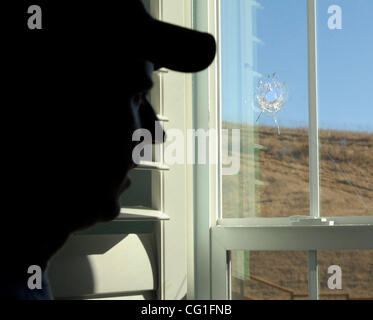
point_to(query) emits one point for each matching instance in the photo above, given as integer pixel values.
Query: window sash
(213, 250)
(313, 133)
(314, 151)
(276, 238)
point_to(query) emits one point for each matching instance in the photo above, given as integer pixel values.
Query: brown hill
(274, 182)
(281, 173)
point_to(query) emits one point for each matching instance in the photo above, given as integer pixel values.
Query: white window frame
(215, 236)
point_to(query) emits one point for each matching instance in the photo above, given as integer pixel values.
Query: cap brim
(178, 48)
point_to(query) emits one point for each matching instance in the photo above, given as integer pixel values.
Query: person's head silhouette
(77, 91)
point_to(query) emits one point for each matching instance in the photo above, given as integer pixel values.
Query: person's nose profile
(150, 122)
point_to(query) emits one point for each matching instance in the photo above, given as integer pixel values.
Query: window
(255, 44)
(303, 194)
(345, 126)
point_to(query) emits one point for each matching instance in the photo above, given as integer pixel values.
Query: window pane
(269, 275)
(345, 85)
(356, 274)
(265, 42)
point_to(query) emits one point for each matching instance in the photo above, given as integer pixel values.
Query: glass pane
(345, 69)
(264, 94)
(349, 277)
(269, 275)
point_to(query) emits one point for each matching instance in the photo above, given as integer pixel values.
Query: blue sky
(345, 66)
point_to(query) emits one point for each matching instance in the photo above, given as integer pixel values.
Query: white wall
(178, 108)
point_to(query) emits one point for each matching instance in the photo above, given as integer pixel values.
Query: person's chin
(113, 210)
(110, 211)
(125, 185)
(105, 211)
(107, 208)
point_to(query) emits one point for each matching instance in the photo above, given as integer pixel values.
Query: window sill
(130, 220)
(148, 165)
(140, 214)
(286, 222)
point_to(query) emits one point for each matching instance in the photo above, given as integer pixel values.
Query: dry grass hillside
(274, 182)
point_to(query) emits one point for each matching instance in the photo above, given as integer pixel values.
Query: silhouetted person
(73, 94)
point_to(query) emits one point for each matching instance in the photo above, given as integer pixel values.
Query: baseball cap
(168, 45)
(122, 28)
